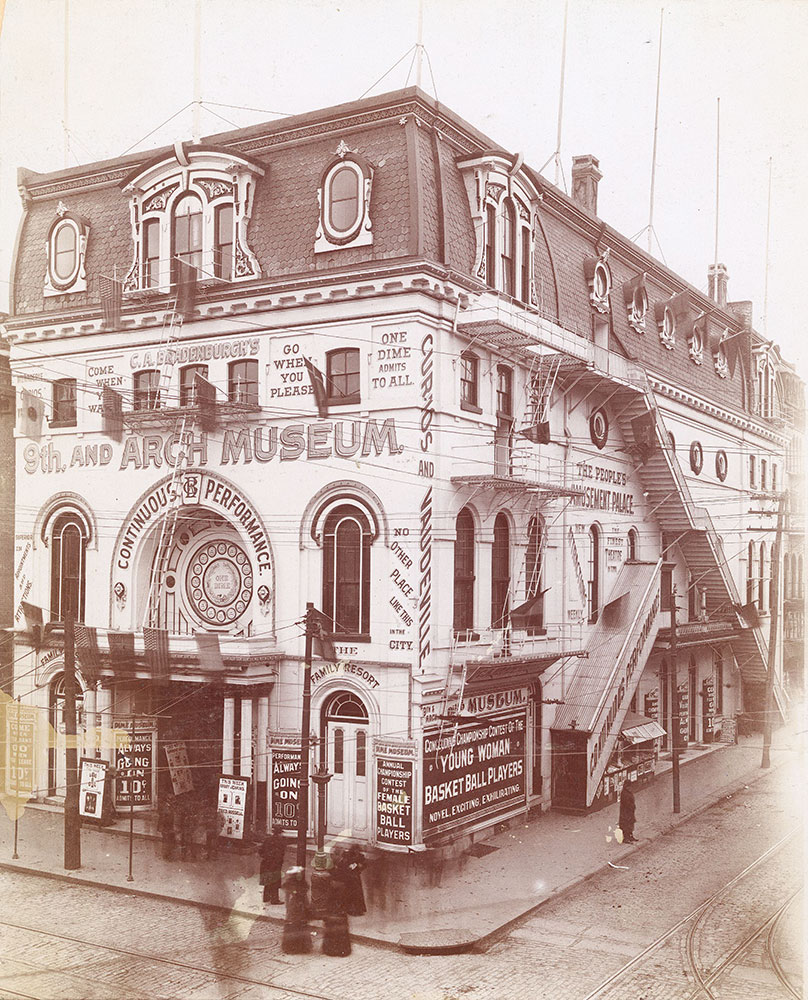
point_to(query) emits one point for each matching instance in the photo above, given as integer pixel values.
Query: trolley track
(695, 918)
(772, 954)
(216, 974)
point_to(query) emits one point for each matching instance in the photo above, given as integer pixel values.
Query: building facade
(365, 359)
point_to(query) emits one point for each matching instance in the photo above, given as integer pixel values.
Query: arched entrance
(345, 730)
(57, 780)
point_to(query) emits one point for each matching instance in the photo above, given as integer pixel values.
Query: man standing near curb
(627, 813)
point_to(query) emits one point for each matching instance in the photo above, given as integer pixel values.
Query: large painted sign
(477, 771)
(134, 763)
(395, 764)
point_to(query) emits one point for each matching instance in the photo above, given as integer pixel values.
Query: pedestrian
(182, 826)
(627, 813)
(214, 823)
(336, 935)
(165, 826)
(270, 871)
(351, 864)
(296, 937)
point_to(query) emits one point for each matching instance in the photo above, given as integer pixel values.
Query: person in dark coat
(336, 935)
(296, 938)
(270, 872)
(627, 813)
(350, 865)
(165, 826)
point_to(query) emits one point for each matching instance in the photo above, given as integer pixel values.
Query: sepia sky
(497, 64)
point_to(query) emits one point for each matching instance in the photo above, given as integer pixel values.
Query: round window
(602, 281)
(696, 457)
(668, 324)
(343, 199)
(698, 338)
(599, 428)
(721, 464)
(218, 583)
(64, 253)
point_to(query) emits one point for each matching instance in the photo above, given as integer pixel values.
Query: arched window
(187, 232)
(507, 247)
(68, 542)
(491, 245)
(223, 242)
(346, 571)
(593, 584)
(146, 389)
(632, 544)
(242, 382)
(343, 199)
(503, 434)
(500, 572)
(534, 559)
(188, 386)
(464, 572)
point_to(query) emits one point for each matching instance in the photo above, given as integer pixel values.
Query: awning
(639, 728)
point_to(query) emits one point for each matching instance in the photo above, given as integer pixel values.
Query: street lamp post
(321, 864)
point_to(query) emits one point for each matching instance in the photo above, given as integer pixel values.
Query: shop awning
(639, 728)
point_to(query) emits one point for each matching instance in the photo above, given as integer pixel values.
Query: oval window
(721, 464)
(639, 303)
(668, 325)
(343, 199)
(602, 280)
(599, 428)
(696, 457)
(64, 252)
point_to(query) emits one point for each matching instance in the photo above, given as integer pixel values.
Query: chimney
(717, 278)
(585, 177)
(743, 313)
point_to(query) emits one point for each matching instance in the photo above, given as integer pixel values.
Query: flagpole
(656, 133)
(65, 85)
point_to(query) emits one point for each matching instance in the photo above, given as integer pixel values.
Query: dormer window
(636, 299)
(344, 199)
(193, 205)
(599, 279)
(508, 245)
(66, 247)
(696, 341)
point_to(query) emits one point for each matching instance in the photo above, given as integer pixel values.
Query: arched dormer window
(464, 555)
(346, 571)
(507, 247)
(66, 247)
(68, 543)
(344, 202)
(192, 204)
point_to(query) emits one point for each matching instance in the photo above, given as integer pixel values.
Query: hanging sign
(20, 732)
(285, 785)
(232, 805)
(182, 779)
(135, 765)
(93, 776)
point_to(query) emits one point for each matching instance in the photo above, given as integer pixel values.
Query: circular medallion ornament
(721, 464)
(219, 582)
(599, 428)
(696, 457)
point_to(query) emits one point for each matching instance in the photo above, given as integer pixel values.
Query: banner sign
(182, 779)
(394, 801)
(473, 772)
(285, 786)
(93, 775)
(135, 766)
(232, 805)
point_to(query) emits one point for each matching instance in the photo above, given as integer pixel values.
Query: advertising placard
(20, 733)
(134, 765)
(178, 767)
(684, 713)
(475, 772)
(394, 781)
(232, 805)
(92, 776)
(285, 786)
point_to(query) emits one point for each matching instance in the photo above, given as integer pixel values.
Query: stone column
(262, 763)
(90, 722)
(245, 743)
(104, 714)
(228, 732)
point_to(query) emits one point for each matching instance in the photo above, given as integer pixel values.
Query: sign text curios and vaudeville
(319, 439)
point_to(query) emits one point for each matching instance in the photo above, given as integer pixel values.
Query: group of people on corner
(339, 894)
(190, 826)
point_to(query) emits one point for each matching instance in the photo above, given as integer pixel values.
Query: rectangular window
(507, 250)
(468, 382)
(490, 246)
(525, 292)
(64, 403)
(188, 383)
(764, 478)
(774, 478)
(151, 253)
(752, 472)
(242, 382)
(147, 390)
(342, 375)
(223, 262)
(504, 391)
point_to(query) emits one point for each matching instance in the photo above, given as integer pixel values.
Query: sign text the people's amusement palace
(320, 439)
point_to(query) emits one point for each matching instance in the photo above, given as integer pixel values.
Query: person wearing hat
(627, 813)
(270, 871)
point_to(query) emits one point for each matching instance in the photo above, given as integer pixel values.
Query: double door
(349, 764)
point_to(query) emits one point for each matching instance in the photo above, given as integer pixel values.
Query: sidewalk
(509, 874)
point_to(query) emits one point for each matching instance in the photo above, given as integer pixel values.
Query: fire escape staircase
(600, 693)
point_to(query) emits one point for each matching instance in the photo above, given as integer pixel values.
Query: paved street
(63, 941)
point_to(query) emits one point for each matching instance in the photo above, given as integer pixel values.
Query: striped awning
(639, 728)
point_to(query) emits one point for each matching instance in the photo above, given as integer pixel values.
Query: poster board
(232, 805)
(179, 768)
(92, 778)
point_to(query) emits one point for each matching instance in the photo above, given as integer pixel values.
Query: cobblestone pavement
(65, 941)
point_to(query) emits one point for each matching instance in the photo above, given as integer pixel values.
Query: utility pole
(305, 726)
(72, 828)
(772, 658)
(674, 697)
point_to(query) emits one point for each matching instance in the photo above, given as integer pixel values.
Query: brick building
(482, 431)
